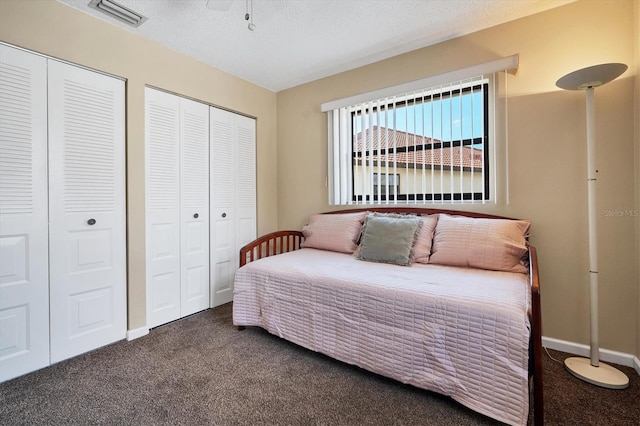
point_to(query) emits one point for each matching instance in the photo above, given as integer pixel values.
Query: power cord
(549, 355)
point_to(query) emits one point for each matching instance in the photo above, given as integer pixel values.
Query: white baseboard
(136, 333)
(579, 349)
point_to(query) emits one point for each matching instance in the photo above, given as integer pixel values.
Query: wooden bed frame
(284, 241)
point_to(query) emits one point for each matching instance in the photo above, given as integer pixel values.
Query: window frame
(484, 195)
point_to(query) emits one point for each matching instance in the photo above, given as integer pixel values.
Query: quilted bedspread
(457, 331)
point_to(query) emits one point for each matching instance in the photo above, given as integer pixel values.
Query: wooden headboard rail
(284, 241)
(270, 245)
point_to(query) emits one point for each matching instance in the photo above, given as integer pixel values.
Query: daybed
(461, 318)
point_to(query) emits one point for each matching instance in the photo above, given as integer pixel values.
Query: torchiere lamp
(592, 370)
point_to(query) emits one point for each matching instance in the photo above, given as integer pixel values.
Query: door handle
(91, 221)
(224, 215)
(195, 216)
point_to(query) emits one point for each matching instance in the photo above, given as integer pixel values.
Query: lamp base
(604, 375)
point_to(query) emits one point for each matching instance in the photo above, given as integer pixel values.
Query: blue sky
(454, 118)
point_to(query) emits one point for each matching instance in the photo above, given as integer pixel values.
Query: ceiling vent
(118, 11)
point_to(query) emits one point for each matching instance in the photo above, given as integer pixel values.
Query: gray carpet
(202, 371)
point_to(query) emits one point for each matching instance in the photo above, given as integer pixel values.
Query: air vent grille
(118, 11)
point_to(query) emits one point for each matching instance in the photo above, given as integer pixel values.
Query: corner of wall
(636, 47)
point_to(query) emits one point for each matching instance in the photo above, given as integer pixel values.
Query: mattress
(460, 332)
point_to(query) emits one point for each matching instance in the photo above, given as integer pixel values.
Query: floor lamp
(592, 370)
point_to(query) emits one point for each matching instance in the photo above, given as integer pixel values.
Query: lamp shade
(593, 76)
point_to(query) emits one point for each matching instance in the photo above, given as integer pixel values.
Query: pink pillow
(495, 244)
(422, 246)
(334, 232)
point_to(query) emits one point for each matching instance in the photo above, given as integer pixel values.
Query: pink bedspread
(457, 331)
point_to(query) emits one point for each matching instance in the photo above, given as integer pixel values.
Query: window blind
(429, 145)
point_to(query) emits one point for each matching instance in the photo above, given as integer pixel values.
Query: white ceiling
(297, 41)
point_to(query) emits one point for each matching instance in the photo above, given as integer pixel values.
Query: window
(431, 144)
(435, 141)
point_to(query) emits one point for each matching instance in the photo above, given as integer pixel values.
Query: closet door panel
(24, 274)
(223, 212)
(245, 182)
(194, 201)
(86, 210)
(162, 136)
(163, 277)
(233, 196)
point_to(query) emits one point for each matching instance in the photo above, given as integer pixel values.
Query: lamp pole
(592, 181)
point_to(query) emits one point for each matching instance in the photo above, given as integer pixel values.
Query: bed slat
(270, 245)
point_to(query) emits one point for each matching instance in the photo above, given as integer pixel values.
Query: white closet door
(194, 202)
(24, 274)
(233, 197)
(245, 183)
(162, 135)
(86, 210)
(223, 244)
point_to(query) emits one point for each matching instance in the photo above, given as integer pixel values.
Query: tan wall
(57, 30)
(546, 159)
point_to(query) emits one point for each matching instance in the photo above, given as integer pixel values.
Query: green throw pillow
(389, 239)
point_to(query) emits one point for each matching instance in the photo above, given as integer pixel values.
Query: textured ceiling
(297, 41)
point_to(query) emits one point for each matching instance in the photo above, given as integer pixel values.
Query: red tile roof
(386, 137)
(380, 138)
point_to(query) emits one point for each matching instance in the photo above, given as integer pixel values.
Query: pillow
(495, 244)
(334, 232)
(422, 246)
(388, 239)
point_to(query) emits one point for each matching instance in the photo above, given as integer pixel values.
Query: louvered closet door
(24, 274)
(87, 210)
(233, 197)
(162, 135)
(245, 182)
(194, 201)
(223, 212)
